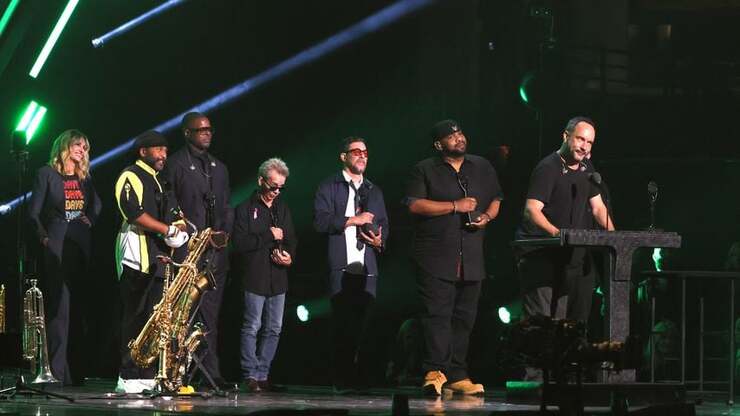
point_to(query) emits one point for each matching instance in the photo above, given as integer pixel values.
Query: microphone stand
(653, 197)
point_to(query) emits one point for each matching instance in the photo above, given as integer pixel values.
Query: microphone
(652, 189)
(273, 219)
(595, 177)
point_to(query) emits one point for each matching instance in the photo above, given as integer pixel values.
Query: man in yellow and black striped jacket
(148, 228)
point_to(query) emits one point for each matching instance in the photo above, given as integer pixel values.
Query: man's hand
(374, 240)
(362, 219)
(281, 257)
(45, 241)
(481, 222)
(464, 205)
(277, 233)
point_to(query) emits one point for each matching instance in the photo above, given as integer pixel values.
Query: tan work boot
(464, 386)
(433, 382)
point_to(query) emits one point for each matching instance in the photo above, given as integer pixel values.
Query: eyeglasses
(199, 130)
(357, 152)
(270, 187)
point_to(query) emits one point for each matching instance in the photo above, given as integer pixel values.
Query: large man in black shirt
(201, 184)
(560, 195)
(453, 196)
(265, 242)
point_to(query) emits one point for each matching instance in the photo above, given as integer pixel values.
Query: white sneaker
(133, 386)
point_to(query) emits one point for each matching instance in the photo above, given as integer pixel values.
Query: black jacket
(330, 204)
(194, 179)
(47, 214)
(185, 174)
(253, 243)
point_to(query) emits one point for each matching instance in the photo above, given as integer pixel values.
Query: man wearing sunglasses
(350, 210)
(201, 182)
(264, 243)
(452, 196)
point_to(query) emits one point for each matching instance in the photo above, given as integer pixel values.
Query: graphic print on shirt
(74, 199)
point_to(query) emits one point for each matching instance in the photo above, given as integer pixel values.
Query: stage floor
(95, 398)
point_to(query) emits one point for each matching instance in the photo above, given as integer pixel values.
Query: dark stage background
(661, 82)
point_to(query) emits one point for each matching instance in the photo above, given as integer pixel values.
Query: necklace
(193, 167)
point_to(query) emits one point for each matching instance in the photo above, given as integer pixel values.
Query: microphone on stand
(652, 189)
(595, 177)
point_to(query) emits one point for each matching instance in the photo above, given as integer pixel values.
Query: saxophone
(165, 335)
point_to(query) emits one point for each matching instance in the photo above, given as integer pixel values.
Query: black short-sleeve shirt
(440, 240)
(564, 192)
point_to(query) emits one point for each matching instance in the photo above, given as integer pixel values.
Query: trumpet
(34, 335)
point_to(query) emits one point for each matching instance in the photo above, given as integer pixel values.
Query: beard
(454, 153)
(154, 163)
(357, 170)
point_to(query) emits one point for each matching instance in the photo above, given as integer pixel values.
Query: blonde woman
(63, 208)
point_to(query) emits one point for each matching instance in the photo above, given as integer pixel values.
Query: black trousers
(450, 309)
(208, 313)
(139, 293)
(555, 282)
(351, 312)
(64, 285)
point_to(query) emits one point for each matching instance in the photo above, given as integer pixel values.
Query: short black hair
(570, 126)
(349, 140)
(187, 118)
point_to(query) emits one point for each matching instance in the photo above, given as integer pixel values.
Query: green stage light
(8, 14)
(504, 315)
(35, 123)
(525, 87)
(31, 120)
(313, 309)
(303, 314)
(511, 312)
(658, 259)
(27, 116)
(55, 33)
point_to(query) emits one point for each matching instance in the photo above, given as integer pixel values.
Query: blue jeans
(261, 325)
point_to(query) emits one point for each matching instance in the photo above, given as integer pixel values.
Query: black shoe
(266, 385)
(252, 385)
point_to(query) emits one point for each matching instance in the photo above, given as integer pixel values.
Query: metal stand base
(22, 388)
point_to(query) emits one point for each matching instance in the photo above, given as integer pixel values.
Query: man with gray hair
(264, 241)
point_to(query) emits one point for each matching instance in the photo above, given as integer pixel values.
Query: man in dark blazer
(351, 211)
(201, 184)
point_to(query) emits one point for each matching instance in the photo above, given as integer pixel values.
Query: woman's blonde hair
(60, 153)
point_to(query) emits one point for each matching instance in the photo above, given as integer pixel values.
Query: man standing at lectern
(561, 189)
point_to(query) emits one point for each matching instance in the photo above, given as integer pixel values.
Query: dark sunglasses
(270, 187)
(200, 130)
(357, 152)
